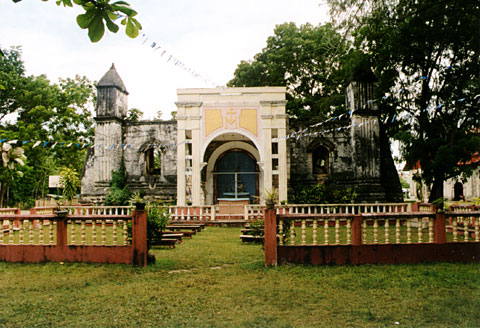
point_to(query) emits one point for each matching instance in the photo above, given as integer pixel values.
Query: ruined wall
(340, 162)
(136, 138)
(141, 136)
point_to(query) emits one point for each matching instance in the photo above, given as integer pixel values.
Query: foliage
(134, 115)
(271, 197)
(404, 183)
(258, 227)
(433, 83)
(11, 158)
(136, 198)
(118, 193)
(33, 109)
(324, 194)
(311, 61)
(70, 182)
(99, 13)
(157, 219)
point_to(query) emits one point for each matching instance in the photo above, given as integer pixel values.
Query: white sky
(210, 36)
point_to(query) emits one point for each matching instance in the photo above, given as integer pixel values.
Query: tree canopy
(34, 109)
(99, 13)
(426, 58)
(311, 61)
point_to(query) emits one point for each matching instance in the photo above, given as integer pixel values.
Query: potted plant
(138, 201)
(271, 197)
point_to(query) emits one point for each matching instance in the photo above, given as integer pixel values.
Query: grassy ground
(213, 280)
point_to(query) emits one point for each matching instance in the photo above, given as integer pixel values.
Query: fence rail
(255, 211)
(386, 237)
(85, 210)
(84, 237)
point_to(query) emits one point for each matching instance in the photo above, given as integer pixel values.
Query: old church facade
(230, 145)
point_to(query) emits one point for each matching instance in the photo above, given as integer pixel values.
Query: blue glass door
(236, 176)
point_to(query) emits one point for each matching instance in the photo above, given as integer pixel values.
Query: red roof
(416, 166)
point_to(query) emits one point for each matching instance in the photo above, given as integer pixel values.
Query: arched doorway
(236, 176)
(458, 191)
(320, 161)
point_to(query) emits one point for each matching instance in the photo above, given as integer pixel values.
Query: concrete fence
(368, 238)
(45, 236)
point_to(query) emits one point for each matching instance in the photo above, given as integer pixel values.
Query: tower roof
(112, 79)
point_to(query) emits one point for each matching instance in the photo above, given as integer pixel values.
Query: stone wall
(138, 138)
(161, 135)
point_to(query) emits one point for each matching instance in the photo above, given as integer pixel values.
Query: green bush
(324, 194)
(257, 227)
(118, 193)
(157, 219)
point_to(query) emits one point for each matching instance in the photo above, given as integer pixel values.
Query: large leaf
(111, 25)
(84, 20)
(137, 24)
(126, 10)
(131, 29)
(96, 28)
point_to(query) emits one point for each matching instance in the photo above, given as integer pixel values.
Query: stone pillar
(181, 163)
(282, 164)
(267, 153)
(196, 167)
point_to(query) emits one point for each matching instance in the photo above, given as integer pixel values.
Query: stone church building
(229, 145)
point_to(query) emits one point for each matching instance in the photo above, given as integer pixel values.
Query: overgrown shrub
(118, 193)
(157, 219)
(324, 194)
(257, 227)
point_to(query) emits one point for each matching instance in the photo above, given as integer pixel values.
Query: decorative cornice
(273, 103)
(107, 119)
(188, 104)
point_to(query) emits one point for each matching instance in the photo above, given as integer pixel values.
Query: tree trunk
(2, 193)
(436, 194)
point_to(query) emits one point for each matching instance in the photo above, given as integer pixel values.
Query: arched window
(320, 163)
(153, 161)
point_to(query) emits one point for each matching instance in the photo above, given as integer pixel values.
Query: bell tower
(365, 135)
(111, 109)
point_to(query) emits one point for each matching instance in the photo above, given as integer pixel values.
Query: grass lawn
(213, 280)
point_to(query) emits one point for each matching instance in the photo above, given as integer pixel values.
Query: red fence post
(139, 237)
(357, 230)
(61, 229)
(439, 232)
(415, 207)
(270, 237)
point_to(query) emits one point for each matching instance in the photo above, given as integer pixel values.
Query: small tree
(118, 193)
(70, 182)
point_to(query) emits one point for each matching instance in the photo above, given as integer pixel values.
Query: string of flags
(166, 55)
(306, 132)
